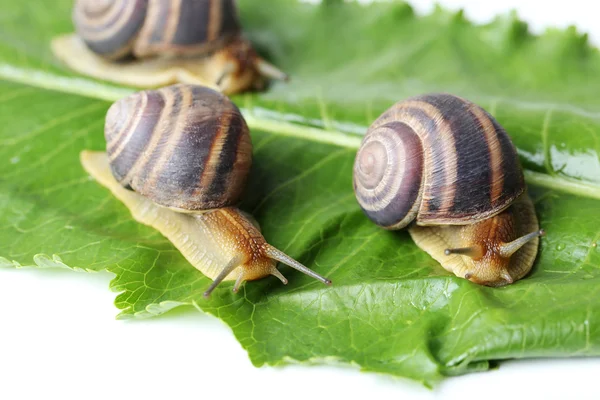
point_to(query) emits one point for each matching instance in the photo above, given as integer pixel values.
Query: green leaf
(391, 309)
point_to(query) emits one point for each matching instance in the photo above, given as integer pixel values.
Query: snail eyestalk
(475, 252)
(508, 249)
(268, 70)
(280, 256)
(233, 264)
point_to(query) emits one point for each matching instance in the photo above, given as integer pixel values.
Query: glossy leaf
(391, 309)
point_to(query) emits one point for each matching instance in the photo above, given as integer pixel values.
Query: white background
(59, 337)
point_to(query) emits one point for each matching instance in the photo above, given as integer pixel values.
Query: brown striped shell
(109, 27)
(436, 159)
(183, 146)
(116, 29)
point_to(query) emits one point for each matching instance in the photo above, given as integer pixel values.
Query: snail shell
(437, 158)
(445, 168)
(185, 147)
(184, 27)
(118, 28)
(109, 27)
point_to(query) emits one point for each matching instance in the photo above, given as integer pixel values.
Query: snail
(178, 158)
(152, 43)
(445, 168)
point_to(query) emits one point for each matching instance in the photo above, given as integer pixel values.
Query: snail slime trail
(178, 158)
(152, 43)
(445, 168)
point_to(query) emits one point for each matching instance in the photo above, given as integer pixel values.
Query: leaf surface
(392, 308)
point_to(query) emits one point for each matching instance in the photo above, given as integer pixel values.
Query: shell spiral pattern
(183, 146)
(436, 158)
(109, 27)
(115, 29)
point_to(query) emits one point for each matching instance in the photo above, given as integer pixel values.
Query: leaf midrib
(102, 91)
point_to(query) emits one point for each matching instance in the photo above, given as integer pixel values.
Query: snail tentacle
(268, 70)
(280, 256)
(508, 249)
(475, 252)
(227, 269)
(275, 272)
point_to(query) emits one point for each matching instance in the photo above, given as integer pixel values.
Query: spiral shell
(109, 27)
(439, 159)
(145, 28)
(183, 146)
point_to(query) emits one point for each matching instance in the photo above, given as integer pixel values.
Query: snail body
(178, 158)
(149, 43)
(445, 168)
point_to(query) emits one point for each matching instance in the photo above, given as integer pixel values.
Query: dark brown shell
(109, 27)
(447, 162)
(187, 27)
(145, 28)
(183, 146)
